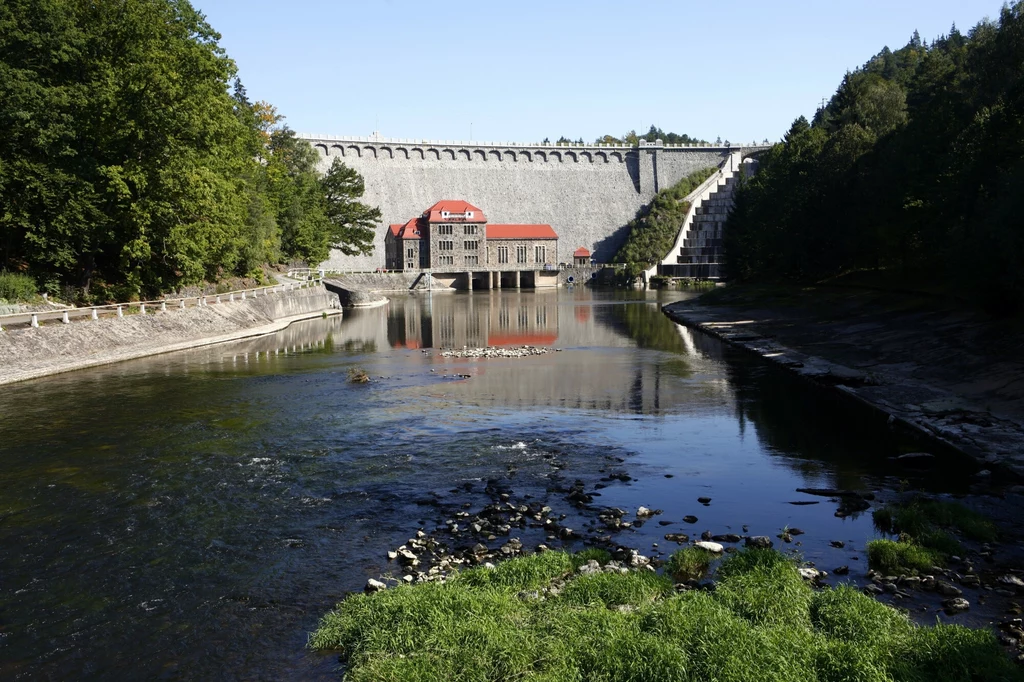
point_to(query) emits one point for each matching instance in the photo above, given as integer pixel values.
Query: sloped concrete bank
(29, 353)
(894, 368)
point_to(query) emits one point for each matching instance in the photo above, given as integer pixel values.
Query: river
(193, 515)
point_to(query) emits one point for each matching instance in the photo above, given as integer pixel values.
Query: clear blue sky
(523, 70)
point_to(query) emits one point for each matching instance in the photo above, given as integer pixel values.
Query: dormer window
(469, 214)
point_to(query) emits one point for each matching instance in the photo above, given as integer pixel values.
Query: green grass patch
(635, 588)
(761, 623)
(527, 573)
(689, 563)
(601, 556)
(930, 525)
(893, 557)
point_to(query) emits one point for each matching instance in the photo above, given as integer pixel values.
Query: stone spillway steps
(700, 256)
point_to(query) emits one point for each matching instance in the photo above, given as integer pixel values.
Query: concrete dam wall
(586, 193)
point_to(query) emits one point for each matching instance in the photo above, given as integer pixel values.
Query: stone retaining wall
(27, 352)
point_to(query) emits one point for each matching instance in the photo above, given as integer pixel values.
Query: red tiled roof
(395, 228)
(410, 230)
(581, 253)
(453, 206)
(520, 232)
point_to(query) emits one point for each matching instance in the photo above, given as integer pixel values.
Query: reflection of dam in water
(681, 371)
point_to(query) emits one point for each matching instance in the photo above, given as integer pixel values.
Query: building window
(470, 229)
(410, 265)
(472, 260)
(540, 254)
(470, 245)
(520, 254)
(411, 253)
(502, 254)
(446, 245)
(445, 260)
(444, 229)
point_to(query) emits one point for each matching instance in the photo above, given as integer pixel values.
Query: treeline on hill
(654, 230)
(631, 138)
(127, 167)
(916, 165)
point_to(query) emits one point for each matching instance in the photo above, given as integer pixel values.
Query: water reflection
(191, 515)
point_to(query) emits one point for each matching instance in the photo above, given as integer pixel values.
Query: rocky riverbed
(984, 582)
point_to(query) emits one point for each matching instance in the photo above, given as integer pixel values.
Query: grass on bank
(762, 622)
(689, 563)
(928, 534)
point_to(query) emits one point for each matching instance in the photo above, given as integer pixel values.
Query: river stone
(808, 573)
(704, 500)
(726, 537)
(916, 459)
(374, 585)
(759, 541)
(955, 605)
(679, 538)
(946, 589)
(1011, 580)
(689, 518)
(637, 560)
(712, 547)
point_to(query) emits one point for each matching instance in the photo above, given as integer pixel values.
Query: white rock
(712, 547)
(1011, 580)
(808, 573)
(374, 585)
(637, 560)
(956, 605)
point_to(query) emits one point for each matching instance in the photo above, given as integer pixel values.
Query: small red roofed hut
(581, 257)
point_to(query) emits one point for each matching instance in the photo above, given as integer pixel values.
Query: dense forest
(133, 162)
(915, 166)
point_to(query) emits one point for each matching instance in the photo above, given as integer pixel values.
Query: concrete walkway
(951, 373)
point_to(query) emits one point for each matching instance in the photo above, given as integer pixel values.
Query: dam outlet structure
(587, 193)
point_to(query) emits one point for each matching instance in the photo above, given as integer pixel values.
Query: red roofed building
(454, 235)
(581, 257)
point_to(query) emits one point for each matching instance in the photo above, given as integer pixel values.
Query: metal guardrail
(66, 315)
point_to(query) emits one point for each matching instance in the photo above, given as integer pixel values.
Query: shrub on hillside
(17, 287)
